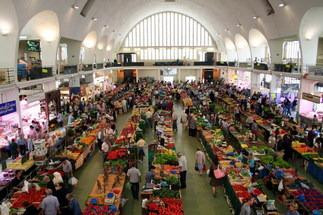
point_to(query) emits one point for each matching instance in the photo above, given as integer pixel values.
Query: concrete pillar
(275, 85)
(137, 75)
(255, 82)
(179, 71)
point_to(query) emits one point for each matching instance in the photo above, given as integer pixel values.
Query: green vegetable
(166, 193)
(172, 180)
(166, 159)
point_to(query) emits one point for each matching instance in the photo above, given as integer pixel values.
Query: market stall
(162, 194)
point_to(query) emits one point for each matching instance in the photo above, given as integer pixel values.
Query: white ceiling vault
(222, 18)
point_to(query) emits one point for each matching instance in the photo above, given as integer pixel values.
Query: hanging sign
(74, 82)
(312, 98)
(35, 97)
(7, 108)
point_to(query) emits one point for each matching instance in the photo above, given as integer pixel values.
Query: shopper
(67, 169)
(105, 148)
(182, 162)
(200, 160)
(22, 143)
(70, 119)
(30, 209)
(192, 126)
(50, 204)
(60, 119)
(292, 210)
(150, 175)
(124, 105)
(287, 146)
(74, 205)
(217, 175)
(184, 120)
(246, 207)
(174, 117)
(134, 179)
(60, 192)
(13, 149)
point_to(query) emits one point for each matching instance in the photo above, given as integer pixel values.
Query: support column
(158, 75)
(137, 76)
(179, 75)
(255, 82)
(275, 85)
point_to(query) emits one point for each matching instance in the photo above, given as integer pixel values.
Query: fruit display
(310, 198)
(117, 154)
(33, 196)
(99, 210)
(166, 206)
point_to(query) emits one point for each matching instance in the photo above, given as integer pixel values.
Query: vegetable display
(167, 206)
(166, 159)
(166, 193)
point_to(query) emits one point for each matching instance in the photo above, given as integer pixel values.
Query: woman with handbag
(217, 176)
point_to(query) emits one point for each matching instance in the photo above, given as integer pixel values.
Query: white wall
(183, 73)
(276, 48)
(8, 43)
(49, 86)
(311, 28)
(153, 73)
(73, 50)
(45, 27)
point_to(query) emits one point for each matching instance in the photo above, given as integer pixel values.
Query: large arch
(8, 34)
(89, 48)
(259, 46)
(243, 49)
(231, 51)
(310, 30)
(43, 26)
(169, 35)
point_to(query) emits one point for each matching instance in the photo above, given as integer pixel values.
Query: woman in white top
(184, 119)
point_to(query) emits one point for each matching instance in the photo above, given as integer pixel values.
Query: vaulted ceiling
(223, 18)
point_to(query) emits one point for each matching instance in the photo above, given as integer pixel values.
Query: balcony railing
(7, 76)
(260, 66)
(36, 72)
(315, 70)
(69, 69)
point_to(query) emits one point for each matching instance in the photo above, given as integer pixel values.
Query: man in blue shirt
(73, 204)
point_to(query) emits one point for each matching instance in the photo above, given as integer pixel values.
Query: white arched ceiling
(89, 43)
(258, 44)
(216, 15)
(8, 34)
(44, 26)
(311, 28)
(243, 48)
(230, 50)
(101, 51)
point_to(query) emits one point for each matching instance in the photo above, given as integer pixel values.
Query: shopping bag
(280, 186)
(73, 181)
(218, 173)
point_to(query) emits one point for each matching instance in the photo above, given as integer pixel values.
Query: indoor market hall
(161, 107)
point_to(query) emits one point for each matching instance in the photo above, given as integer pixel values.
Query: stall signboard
(8, 108)
(312, 98)
(35, 97)
(74, 82)
(289, 87)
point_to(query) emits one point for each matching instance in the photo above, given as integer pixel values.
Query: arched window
(169, 36)
(291, 51)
